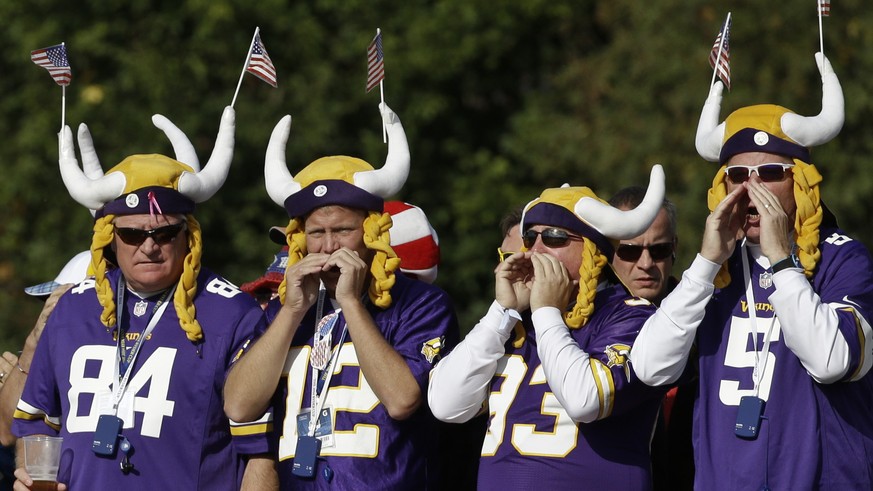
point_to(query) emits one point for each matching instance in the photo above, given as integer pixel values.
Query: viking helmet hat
(770, 128)
(345, 181)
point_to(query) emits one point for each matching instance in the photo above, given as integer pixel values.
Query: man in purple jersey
(645, 265)
(565, 412)
(133, 386)
(783, 300)
(345, 361)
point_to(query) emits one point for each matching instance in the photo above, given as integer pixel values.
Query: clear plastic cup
(42, 455)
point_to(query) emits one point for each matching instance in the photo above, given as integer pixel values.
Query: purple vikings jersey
(532, 443)
(180, 435)
(815, 436)
(371, 450)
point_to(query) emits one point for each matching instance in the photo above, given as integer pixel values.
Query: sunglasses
(632, 253)
(739, 174)
(551, 237)
(504, 254)
(161, 235)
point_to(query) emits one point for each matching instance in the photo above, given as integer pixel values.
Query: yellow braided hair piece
(385, 261)
(807, 220)
(593, 262)
(809, 214)
(104, 231)
(716, 193)
(296, 240)
(183, 298)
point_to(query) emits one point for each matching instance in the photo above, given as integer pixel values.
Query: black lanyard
(126, 359)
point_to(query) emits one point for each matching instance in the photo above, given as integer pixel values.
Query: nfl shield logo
(765, 280)
(140, 308)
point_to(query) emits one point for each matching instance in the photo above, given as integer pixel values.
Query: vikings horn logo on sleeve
(617, 356)
(431, 349)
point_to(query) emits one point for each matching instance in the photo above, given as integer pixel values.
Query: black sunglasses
(161, 235)
(632, 253)
(767, 172)
(551, 237)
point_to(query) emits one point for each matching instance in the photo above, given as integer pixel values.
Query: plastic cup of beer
(42, 454)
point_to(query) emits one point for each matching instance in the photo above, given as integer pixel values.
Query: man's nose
(331, 244)
(645, 261)
(538, 245)
(149, 246)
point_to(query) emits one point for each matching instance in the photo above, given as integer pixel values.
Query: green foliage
(499, 100)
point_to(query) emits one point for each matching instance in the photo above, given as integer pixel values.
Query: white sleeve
(810, 328)
(459, 383)
(660, 352)
(566, 366)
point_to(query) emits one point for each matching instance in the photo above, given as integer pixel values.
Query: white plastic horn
(710, 133)
(280, 183)
(810, 131)
(90, 192)
(182, 146)
(388, 180)
(90, 162)
(620, 224)
(202, 185)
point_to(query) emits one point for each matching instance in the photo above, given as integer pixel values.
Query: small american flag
(824, 8)
(260, 64)
(375, 62)
(54, 59)
(724, 61)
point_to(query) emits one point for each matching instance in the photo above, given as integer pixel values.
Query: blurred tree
(499, 100)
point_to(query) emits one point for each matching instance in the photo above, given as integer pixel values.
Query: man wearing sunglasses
(645, 263)
(548, 360)
(779, 302)
(130, 366)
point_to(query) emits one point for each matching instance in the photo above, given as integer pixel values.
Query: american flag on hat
(720, 55)
(54, 59)
(375, 62)
(824, 8)
(260, 64)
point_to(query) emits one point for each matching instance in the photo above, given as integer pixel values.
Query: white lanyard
(119, 388)
(316, 399)
(757, 375)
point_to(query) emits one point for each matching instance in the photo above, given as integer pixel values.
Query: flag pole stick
(63, 99)
(384, 129)
(720, 48)
(382, 91)
(245, 65)
(820, 32)
(63, 106)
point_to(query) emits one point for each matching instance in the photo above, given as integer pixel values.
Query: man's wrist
(791, 261)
